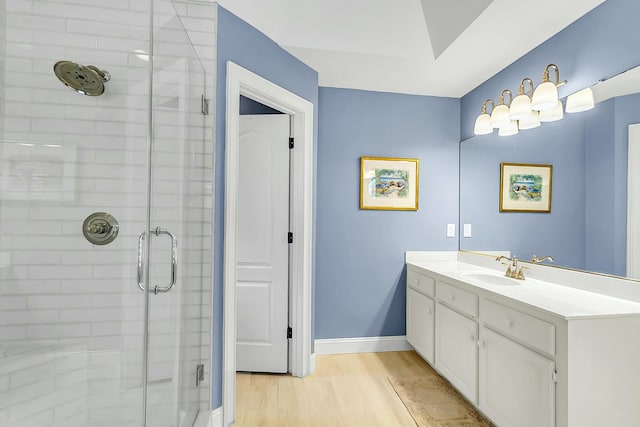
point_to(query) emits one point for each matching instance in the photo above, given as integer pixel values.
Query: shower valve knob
(100, 228)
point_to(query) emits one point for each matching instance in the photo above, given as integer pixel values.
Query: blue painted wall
(602, 43)
(249, 106)
(360, 253)
(241, 43)
(599, 179)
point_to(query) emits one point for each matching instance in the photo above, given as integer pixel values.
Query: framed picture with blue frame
(388, 183)
(525, 187)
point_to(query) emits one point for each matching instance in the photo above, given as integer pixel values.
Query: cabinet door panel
(420, 321)
(457, 350)
(516, 386)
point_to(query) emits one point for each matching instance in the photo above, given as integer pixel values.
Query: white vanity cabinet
(531, 353)
(421, 314)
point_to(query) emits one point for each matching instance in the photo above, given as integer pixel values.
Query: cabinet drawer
(423, 284)
(526, 329)
(457, 298)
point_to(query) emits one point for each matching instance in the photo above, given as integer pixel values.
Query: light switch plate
(467, 230)
(451, 230)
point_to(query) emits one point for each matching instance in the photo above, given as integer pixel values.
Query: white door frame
(241, 81)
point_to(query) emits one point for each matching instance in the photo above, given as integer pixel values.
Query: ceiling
(425, 47)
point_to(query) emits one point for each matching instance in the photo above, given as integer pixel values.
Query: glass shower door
(180, 233)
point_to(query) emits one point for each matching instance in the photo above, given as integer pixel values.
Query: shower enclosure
(105, 217)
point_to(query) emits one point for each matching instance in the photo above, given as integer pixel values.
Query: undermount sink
(491, 279)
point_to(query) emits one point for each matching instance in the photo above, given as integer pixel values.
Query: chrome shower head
(87, 80)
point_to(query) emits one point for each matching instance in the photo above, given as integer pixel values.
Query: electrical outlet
(451, 230)
(467, 230)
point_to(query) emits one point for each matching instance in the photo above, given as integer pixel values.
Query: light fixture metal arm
(521, 90)
(501, 99)
(484, 105)
(545, 75)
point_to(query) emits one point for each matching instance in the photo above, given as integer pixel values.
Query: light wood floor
(349, 390)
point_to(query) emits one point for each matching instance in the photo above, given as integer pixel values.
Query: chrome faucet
(514, 270)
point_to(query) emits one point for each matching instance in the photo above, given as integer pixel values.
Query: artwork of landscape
(390, 183)
(525, 187)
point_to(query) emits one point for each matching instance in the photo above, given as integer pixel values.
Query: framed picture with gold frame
(525, 187)
(388, 183)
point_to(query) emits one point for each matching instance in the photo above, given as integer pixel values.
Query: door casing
(241, 81)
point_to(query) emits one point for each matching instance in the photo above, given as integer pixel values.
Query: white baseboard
(215, 418)
(362, 345)
(312, 364)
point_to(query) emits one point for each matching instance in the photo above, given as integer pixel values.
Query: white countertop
(559, 300)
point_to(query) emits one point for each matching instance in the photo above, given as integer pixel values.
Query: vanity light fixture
(545, 97)
(553, 114)
(527, 111)
(510, 129)
(580, 101)
(483, 122)
(530, 122)
(521, 105)
(500, 114)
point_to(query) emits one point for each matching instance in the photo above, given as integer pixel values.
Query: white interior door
(263, 248)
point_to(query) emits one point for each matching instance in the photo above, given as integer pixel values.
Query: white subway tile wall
(71, 313)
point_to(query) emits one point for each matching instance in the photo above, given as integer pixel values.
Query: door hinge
(291, 143)
(199, 374)
(289, 332)
(204, 105)
(290, 237)
(554, 376)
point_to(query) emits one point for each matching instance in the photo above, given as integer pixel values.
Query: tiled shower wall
(71, 314)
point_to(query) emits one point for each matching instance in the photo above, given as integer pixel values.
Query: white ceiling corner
(426, 47)
(447, 19)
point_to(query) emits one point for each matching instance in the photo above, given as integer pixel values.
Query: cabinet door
(516, 384)
(457, 350)
(420, 321)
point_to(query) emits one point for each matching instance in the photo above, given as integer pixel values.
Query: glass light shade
(545, 97)
(510, 129)
(552, 115)
(520, 107)
(530, 122)
(580, 101)
(483, 125)
(500, 116)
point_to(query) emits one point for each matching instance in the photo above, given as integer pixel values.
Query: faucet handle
(520, 274)
(509, 272)
(536, 260)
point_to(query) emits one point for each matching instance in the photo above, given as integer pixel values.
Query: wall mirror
(586, 227)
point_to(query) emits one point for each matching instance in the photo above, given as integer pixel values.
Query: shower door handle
(174, 260)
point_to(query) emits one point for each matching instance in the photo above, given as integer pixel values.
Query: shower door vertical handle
(174, 260)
